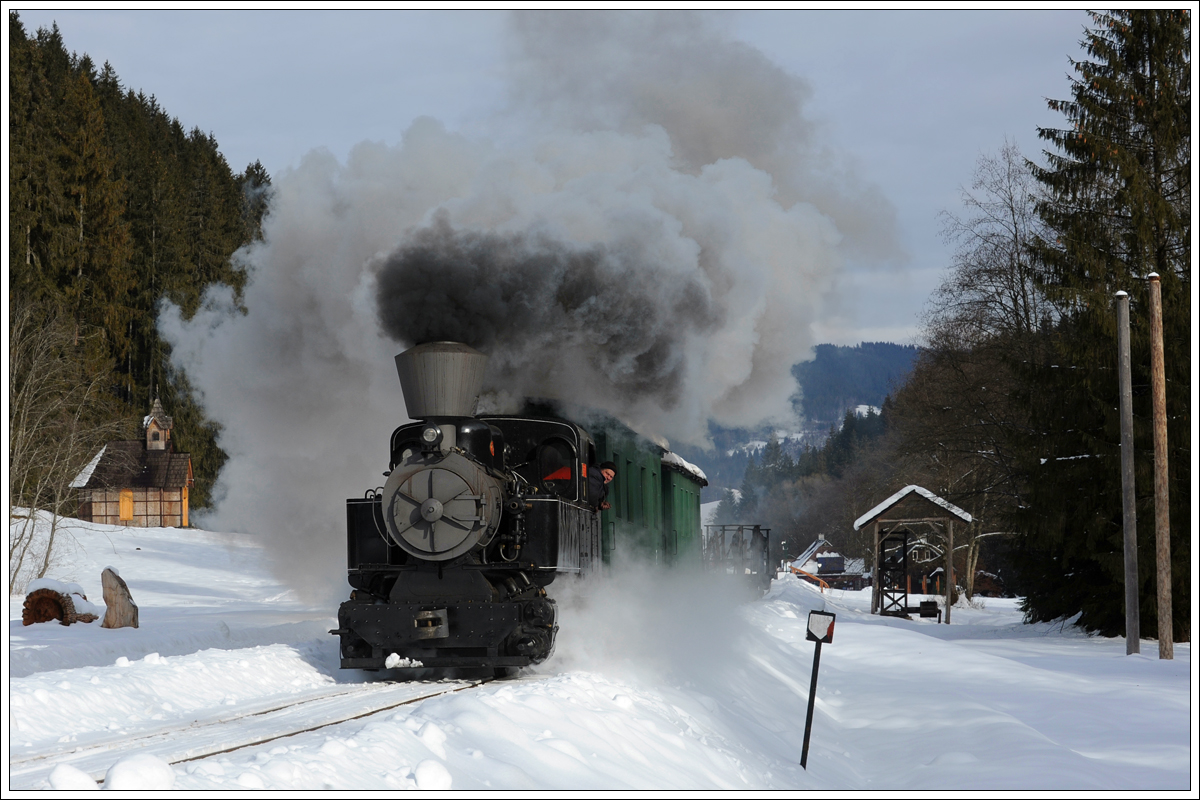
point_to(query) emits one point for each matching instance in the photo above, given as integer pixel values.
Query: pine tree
(94, 243)
(1117, 204)
(726, 512)
(256, 191)
(747, 505)
(1119, 189)
(35, 193)
(773, 456)
(21, 77)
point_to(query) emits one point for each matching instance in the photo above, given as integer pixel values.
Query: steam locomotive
(449, 561)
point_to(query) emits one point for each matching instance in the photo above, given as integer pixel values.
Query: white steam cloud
(672, 162)
(662, 625)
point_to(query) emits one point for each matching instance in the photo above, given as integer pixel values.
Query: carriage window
(556, 466)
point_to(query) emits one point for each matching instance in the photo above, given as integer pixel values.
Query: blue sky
(907, 99)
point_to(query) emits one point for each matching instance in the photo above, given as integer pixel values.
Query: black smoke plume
(544, 309)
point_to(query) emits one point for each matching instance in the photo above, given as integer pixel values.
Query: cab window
(556, 468)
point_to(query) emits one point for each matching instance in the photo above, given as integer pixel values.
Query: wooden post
(1162, 517)
(875, 583)
(1133, 632)
(949, 566)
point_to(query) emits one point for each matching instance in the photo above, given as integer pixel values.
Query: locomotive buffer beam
(462, 634)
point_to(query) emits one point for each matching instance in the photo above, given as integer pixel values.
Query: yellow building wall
(138, 508)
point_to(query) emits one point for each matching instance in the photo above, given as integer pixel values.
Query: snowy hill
(705, 691)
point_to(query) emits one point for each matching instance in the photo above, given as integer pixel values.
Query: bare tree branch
(60, 413)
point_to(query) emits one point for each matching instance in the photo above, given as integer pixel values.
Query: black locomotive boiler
(449, 561)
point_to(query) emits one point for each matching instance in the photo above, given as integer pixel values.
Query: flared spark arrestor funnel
(441, 379)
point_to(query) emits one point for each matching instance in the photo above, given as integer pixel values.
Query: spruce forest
(114, 208)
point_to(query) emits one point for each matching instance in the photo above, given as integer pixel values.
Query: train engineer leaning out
(598, 480)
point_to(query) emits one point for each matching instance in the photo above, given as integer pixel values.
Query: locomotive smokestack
(441, 379)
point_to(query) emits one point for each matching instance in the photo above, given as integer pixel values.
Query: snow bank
(195, 590)
(135, 696)
(140, 772)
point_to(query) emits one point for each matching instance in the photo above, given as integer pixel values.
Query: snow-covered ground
(658, 682)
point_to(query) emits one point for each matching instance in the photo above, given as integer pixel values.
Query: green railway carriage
(654, 498)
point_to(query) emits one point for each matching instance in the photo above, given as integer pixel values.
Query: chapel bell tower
(158, 428)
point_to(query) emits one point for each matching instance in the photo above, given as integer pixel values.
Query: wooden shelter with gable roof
(912, 505)
(138, 484)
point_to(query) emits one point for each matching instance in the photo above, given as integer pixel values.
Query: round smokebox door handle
(431, 510)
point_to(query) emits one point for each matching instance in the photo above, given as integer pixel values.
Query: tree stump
(122, 612)
(43, 605)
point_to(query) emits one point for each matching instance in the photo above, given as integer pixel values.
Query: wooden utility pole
(949, 567)
(875, 583)
(1162, 517)
(1133, 631)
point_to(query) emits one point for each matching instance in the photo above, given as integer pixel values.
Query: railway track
(203, 739)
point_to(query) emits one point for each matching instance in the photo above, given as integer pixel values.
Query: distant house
(821, 560)
(138, 484)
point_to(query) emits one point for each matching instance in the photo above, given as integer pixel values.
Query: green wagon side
(681, 517)
(655, 513)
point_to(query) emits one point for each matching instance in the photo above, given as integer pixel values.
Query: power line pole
(1162, 516)
(1133, 632)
